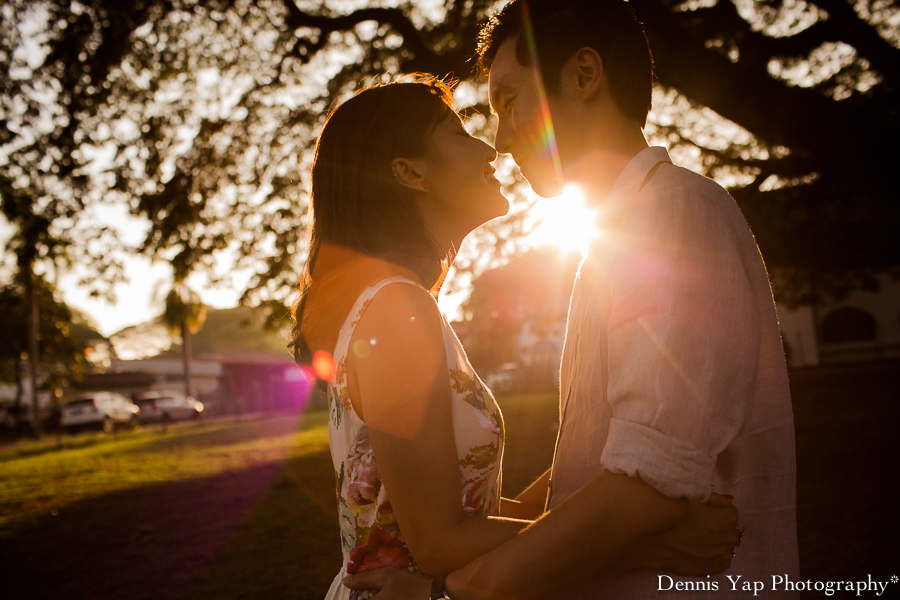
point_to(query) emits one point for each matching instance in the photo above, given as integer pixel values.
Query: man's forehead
(503, 68)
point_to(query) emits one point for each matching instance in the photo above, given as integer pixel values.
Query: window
(848, 325)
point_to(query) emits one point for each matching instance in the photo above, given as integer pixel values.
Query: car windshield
(80, 403)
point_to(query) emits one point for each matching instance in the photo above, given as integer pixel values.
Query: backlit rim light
(564, 221)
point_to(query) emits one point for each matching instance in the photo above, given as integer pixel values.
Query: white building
(865, 326)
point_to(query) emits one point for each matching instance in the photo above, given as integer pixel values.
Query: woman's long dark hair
(355, 202)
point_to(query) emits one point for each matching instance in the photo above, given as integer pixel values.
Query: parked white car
(103, 410)
(167, 406)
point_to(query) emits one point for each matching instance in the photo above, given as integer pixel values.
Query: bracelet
(437, 590)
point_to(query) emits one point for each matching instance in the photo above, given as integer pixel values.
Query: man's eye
(508, 104)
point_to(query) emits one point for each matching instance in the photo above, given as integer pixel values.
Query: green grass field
(247, 509)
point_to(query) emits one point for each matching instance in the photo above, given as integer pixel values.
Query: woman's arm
(397, 372)
(530, 503)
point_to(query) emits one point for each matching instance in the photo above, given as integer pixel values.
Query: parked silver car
(103, 410)
(166, 406)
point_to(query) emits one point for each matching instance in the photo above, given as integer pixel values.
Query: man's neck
(598, 169)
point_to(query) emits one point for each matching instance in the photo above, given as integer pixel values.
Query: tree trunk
(32, 308)
(186, 356)
(21, 370)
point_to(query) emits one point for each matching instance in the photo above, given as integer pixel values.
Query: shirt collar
(632, 178)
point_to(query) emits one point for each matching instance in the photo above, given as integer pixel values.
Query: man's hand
(703, 544)
(391, 584)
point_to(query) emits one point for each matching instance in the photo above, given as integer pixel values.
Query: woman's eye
(508, 104)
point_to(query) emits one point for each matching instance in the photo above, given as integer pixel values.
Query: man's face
(524, 127)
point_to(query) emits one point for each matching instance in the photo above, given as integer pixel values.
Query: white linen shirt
(673, 371)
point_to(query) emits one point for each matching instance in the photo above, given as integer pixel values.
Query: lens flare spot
(362, 348)
(323, 365)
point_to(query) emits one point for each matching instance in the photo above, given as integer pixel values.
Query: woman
(396, 185)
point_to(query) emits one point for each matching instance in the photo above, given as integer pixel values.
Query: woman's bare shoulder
(396, 357)
(400, 310)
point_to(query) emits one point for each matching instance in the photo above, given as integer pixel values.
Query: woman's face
(460, 176)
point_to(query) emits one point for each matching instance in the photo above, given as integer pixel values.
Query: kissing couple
(674, 399)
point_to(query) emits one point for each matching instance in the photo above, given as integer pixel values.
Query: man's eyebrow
(497, 95)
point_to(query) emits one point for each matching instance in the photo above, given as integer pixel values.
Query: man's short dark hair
(560, 28)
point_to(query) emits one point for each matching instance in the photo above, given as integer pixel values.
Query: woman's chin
(502, 209)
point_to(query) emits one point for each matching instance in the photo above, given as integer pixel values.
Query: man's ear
(410, 174)
(586, 67)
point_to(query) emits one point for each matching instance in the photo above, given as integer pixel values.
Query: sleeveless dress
(370, 536)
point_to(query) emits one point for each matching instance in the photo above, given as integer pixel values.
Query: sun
(564, 221)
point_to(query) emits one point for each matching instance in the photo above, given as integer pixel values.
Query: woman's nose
(489, 151)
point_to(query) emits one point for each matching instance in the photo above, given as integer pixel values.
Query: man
(673, 375)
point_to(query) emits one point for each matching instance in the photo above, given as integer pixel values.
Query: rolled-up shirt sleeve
(683, 350)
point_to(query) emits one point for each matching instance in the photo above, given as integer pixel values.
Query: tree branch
(861, 35)
(770, 109)
(722, 20)
(394, 17)
(419, 57)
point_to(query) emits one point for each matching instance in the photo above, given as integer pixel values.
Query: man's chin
(545, 188)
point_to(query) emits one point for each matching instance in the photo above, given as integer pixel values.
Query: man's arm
(684, 335)
(577, 538)
(701, 545)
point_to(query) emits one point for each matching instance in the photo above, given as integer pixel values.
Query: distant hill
(226, 332)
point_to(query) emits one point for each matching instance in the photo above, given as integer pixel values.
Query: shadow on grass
(243, 534)
(48, 446)
(227, 433)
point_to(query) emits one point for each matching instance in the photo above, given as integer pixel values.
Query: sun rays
(564, 221)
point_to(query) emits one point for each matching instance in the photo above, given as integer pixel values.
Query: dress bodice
(370, 536)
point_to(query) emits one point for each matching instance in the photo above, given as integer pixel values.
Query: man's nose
(503, 139)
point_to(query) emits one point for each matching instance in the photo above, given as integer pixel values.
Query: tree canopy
(201, 117)
(65, 339)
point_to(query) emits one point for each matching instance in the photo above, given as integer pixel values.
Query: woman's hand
(391, 584)
(703, 544)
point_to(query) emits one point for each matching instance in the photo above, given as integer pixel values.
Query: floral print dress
(370, 536)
